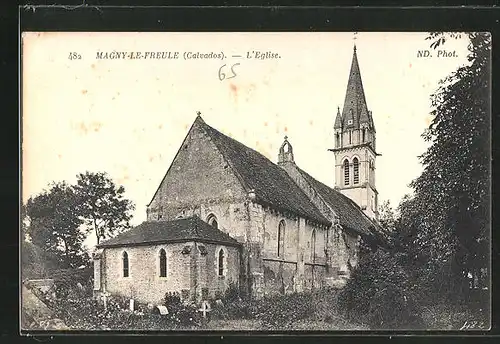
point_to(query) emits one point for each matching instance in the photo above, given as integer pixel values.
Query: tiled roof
(350, 214)
(355, 107)
(271, 184)
(180, 230)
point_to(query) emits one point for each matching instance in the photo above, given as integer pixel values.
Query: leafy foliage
(277, 312)
(387, 216)
(449, 213)
(184, 314)
(53, 221)
(67, 280)
(102, 205)
(440, 233)
(54, 224)
(36, 263)
(381, 293)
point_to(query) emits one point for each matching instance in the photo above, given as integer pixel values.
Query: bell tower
(354, 146)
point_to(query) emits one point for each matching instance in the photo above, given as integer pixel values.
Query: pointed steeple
(372, 125)
(198, 119)
(338, 120)
(355, 101)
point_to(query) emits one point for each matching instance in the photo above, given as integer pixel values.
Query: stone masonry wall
(184, 271)
(209, 273)
(198, 174)
(341, 245)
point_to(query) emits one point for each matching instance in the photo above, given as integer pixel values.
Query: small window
(125, 264)
(350, 136)
(355, 164)
(349, 121)
(221, 262)
(163, 263)
(212, 221)
(337, 138)
(346, 172)
(281, 239)
(364, 134)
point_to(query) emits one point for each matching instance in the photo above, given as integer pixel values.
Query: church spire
(338, 120)
(354, 137)
(355, 110)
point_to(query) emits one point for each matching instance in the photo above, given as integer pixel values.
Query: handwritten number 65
(223, 75)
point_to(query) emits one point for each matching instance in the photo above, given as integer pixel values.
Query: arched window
(287, 147)
(350, 136)
(337, 139)
(281, 239)
(313, 246)
(125, 264)
(163, 263)
(355, 167)
(346, 172)
(212, 221)
(221, 262)
(364, 134)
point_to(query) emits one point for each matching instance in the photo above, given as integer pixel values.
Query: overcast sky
(129, 117)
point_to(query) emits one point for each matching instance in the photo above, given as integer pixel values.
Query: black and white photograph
(272, 181)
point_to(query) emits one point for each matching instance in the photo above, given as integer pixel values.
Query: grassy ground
(318, 312)
(448, 317)
(256, 325)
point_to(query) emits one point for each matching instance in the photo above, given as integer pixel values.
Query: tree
(387, 216)
(102, 206)
(54, 224)
(450, 207)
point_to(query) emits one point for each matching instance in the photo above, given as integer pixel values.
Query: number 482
(74, 56)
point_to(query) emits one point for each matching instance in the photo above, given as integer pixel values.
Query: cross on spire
(355, 36)
(198, 113)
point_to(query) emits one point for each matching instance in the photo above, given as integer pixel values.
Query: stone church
(224, 215)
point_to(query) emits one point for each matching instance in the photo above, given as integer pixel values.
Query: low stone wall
(43, 285)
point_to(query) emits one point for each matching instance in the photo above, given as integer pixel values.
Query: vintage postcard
(255, 181)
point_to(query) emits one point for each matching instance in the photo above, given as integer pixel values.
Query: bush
(179, 313)
(86, 313)
(232, 293)
(66, 281)
(230, 310)
(172, 301)
(282, 311)
(275, 312)
(380, 293)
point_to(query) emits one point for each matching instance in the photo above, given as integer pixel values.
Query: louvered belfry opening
(346, 172)
(355, 164)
